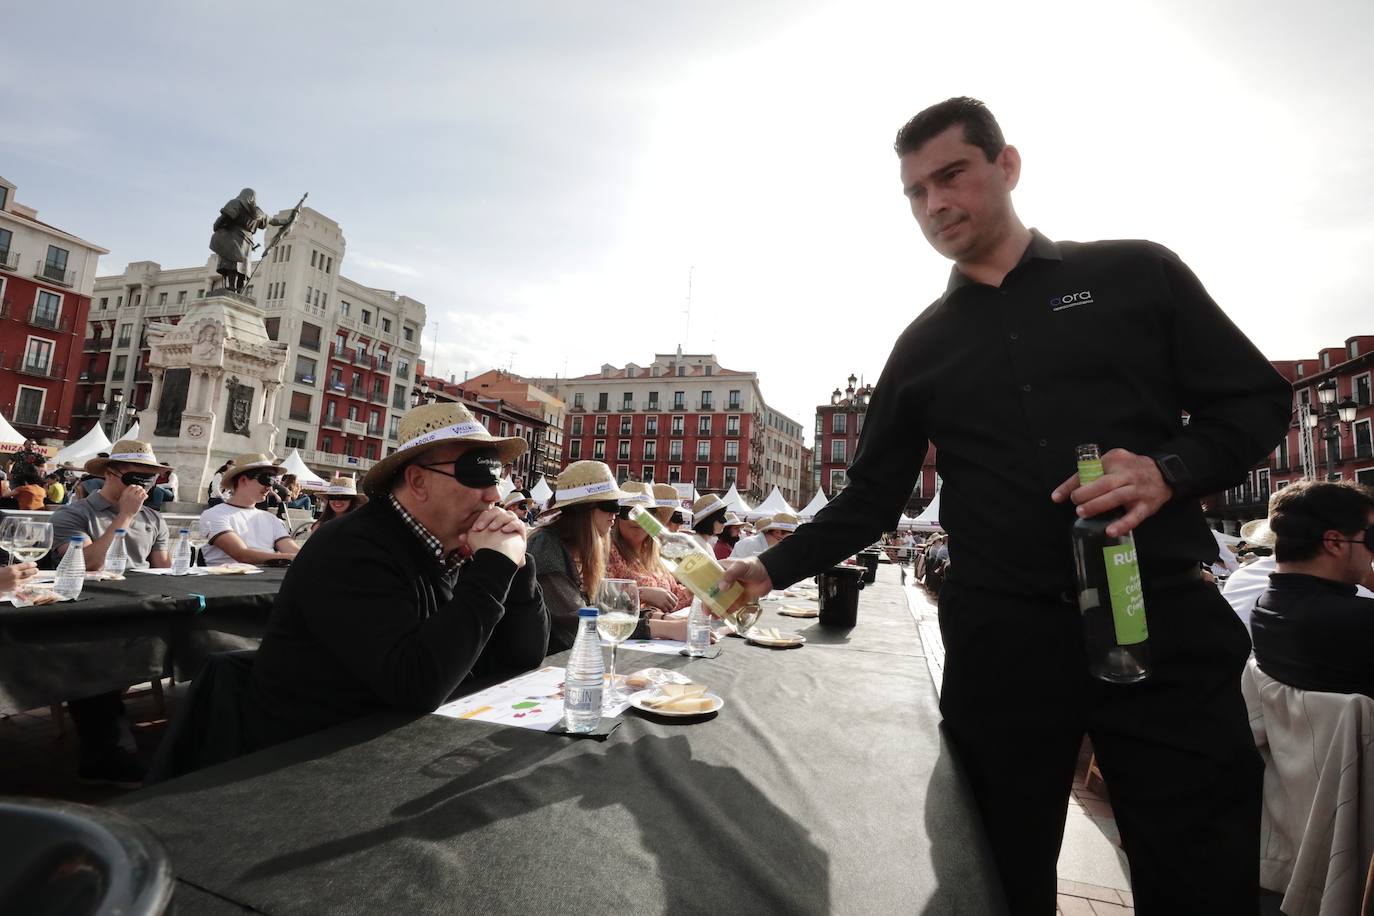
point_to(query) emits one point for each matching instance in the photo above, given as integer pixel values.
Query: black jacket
(367, 621)
(1315, 634)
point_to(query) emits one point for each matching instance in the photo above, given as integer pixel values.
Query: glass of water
(196, 537)
(618, 603)
(7, 528)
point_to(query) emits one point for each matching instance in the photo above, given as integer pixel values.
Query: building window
(837, 422)
(305, 370)
(647, 474)
(295, 438)
(601, 401)
(730, 475)
(181, 297)
(706, 400)
(679, 400)
(601, 426)
(732, 426)
(576, 426)
(599, 449)
(624, 453)
(836, 482)
(733, 402)
(625, 426)
(653, 400)
(28, 410)
(344, 306)
(703, 426)
(409, 332)
(674, 474)
(393, 429)
(55, 265)
(1359, 389)
(650, 450)
(628, 401)
(310, 336)
(703, 474)
(38, 355)
(675, 450)
(837, 449)
(121, 364)
(386, 325)
(575, 449)
(677, 426)
(651, 426)
(622, 473)
(577, 401)
(367, 316)
(731, 451)
(46, 308)
(703, 451)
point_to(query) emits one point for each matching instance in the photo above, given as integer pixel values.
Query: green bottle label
(648, 522)
(1128, 598)
(1089, 470)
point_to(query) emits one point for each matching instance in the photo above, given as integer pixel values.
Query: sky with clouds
(545, 176)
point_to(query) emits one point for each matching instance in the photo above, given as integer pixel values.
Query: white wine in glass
(32, 540)
(618, 602)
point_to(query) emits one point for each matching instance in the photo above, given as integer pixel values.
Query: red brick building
(1336, 382)
(684, 418)
(501, 417)
(46, 277)
(838, 425)
(358, 387)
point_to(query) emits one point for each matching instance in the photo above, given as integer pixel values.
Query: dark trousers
(99, 722)
(1175, 750)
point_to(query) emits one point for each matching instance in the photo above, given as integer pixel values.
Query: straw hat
(585, 482)
(430, 425)
(127, 451)
(666, 501)
(731, 520)
(515, 497)
(707, 506)
(637, 494)
(1258, 532)
(253, 461)
(783, 521)
(345, 487)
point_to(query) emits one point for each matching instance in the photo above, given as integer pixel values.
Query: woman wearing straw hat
(708, 519)
(571, 548)
(340, 498)
(634, 555)
(773, 529)
(397, 603)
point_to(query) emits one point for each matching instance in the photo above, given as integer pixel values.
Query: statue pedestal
(216, 377)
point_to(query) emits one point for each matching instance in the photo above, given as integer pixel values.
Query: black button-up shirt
(1105, 342)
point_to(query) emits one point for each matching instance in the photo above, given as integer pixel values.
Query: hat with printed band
(585, 482)
(783, 521)
(637, 494)
(127, 451)
(342, 488)
(244, 464)
(429, 426)
(707, 506)
(515, 497)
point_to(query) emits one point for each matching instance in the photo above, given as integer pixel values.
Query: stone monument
(217, 373)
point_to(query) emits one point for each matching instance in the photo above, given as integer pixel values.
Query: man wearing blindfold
(394, 605)
(238, 531)
(128, 473)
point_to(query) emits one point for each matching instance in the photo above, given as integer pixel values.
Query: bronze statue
(239, 220)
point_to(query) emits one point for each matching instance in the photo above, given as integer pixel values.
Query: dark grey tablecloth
(823, 786)
(122, 633)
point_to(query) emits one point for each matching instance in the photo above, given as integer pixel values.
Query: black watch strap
(1174, 471)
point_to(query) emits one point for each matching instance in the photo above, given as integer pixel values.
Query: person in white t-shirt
(772, 530)
(236, 531)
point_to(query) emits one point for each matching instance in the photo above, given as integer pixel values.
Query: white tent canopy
(736, 502)
(85, 448)
(772, 506)
(929, 520)
(132, 432)
(307, 478)
(8, 434)
(541, 492)
(818, 502)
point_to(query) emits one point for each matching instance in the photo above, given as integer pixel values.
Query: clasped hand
(498, 530)
(1129, 481)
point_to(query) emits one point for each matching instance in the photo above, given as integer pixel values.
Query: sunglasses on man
(265, 479)
(1367, 540)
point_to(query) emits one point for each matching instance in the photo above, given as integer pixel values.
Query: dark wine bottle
(1110, 596)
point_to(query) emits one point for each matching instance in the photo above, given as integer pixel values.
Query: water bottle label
(1128, 598)
(582, 699)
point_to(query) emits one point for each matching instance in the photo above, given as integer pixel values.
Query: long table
(119, 633)
(824, 785)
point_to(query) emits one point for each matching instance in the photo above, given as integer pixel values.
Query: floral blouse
(619, 568)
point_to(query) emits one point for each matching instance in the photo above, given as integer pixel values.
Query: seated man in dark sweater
(1310, 630)
(394, 605)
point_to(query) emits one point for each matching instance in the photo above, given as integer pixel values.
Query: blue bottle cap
(587, 612)
(76, 539)
(185, 531)
(120, 531)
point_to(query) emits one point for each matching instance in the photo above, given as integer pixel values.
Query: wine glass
(618, 602)
(32, 540)
(195, 537)
(744, 618)
(7, 529)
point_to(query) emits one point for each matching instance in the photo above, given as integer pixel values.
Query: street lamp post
(422, 395)
(1332, 416)
(121, 413)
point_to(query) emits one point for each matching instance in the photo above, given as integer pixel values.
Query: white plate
(787, 642)
(637, 701)
(794, 610)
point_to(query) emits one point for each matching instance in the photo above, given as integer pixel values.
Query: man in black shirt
(1311, 631)
(1035, 347)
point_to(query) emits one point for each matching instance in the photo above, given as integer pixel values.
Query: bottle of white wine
(1110, 596)
(696, 568)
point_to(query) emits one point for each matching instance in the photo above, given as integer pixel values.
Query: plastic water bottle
(71, 572)
(583, 680)
(181, 557)
(698, 630)
(117, 558)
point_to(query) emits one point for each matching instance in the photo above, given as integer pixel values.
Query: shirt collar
(99, 502)
(1040, 247)
(448, 561)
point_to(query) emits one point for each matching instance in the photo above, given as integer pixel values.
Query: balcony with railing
(143, 375)
(9, 259)
(650, 405)
(96, 344)
(378, 396)
(311, 345)
(54, 273)
(34, 419)
(354, 427)
(361, 359)
(41, 317)
(335, 384)
(332, 421)
(358, 391)
(705, 406)
(374, 430)
(627, 407)
(302, 415)
(391, 434)
(384, 365)
(37, 368)
(305, 378)
(85, 410)
(402, 370)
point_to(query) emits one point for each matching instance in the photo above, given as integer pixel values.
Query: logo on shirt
(1071, 300)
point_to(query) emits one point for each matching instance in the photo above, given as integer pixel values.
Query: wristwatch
(1174, 471)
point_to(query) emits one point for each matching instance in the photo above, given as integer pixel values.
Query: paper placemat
(533, 700)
